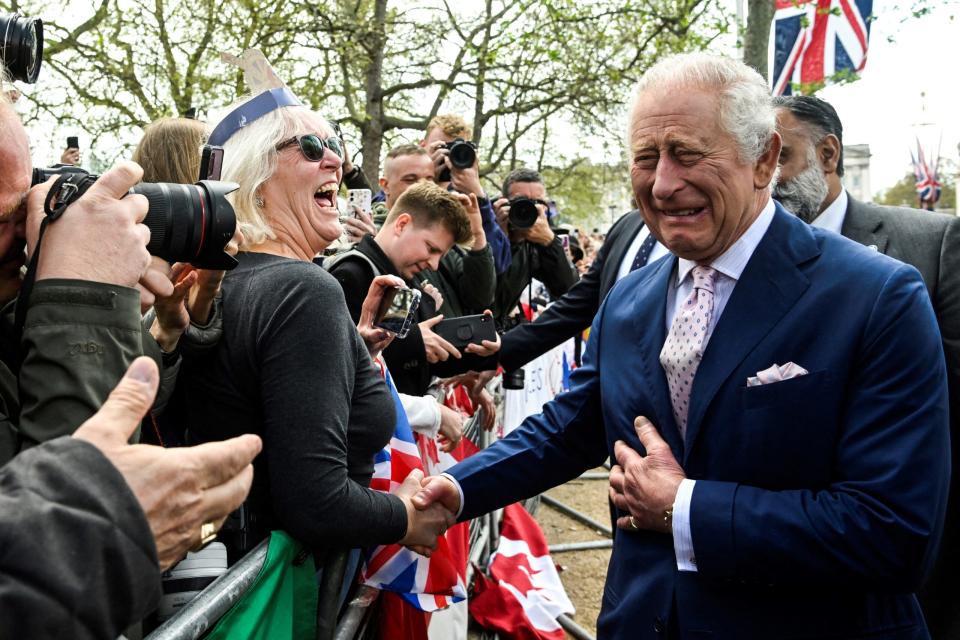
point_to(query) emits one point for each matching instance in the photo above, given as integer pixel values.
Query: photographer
(465, 278)
(444, 134)
(537, 251)
(91, 526)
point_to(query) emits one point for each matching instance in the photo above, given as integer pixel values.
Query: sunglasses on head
(312, 146)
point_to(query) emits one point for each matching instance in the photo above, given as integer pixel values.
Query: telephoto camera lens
(22, 46)
(462, 153)
(523, 213)
(190, 222)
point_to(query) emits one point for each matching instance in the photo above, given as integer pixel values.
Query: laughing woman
(291, 365)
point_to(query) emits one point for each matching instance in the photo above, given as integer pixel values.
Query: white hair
(746, 108)
(250, 159)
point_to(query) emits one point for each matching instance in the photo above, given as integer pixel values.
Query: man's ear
(828, 152)
(401, 222)
(766, 165)
(383, 184)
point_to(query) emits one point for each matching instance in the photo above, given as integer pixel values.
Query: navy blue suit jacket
(819, 500)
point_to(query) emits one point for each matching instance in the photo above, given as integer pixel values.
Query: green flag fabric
(282, 601)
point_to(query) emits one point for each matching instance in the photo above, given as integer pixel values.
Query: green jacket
(78, 340)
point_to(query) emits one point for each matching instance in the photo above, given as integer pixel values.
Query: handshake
(432, 504)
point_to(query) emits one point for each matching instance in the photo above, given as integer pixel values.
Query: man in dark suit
(775, 397)
(628, 246)
(810, 185)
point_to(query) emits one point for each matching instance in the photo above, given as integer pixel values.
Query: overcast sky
(885, 109)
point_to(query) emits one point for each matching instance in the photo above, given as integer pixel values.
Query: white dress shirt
(656, 253)
(729, 265)
(832, 217)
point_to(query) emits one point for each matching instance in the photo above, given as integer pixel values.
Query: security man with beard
(811, 168)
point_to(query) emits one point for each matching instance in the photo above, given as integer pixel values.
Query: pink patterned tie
(683, 349)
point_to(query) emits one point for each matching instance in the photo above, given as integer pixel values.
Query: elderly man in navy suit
(774, 395)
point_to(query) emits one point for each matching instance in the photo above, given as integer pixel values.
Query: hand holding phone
(397, 311)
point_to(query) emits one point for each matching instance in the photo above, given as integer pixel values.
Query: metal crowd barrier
(201, 614)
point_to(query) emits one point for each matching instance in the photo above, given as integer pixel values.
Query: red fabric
(399, 620)
(494, 608)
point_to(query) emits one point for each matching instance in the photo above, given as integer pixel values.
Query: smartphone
(362, 198)
(73, 142)
(565, 241)
(397, 311)
(466, 330)
(211, 163)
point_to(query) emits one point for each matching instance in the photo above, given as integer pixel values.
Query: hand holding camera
(100, 237)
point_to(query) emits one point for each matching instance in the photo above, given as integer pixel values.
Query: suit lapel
(860, 224)
(768, 287)
(649, 315)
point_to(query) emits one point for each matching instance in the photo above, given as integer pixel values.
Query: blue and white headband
(250, 111)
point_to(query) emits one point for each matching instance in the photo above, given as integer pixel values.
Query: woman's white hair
(746, 108)
(250, 159)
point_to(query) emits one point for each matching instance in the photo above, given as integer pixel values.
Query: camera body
(188, 222)
(523, 213)
(463, 154)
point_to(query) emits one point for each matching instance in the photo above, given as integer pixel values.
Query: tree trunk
(372, 127)
(757, 37)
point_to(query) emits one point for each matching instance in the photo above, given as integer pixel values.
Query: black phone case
(466, 330)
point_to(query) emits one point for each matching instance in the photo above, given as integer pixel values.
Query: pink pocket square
(776, 373)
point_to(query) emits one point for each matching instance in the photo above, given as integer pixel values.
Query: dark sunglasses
(312, 146)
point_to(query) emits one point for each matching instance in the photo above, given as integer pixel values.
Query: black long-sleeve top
(292, 368)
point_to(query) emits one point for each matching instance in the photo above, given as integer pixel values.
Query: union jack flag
(429, 584)
(812, 41)
(927, 183)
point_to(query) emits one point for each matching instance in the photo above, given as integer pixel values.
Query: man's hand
(486, 348)
(179, 489)
(472, 207)
(424, 523)
(172, 315)
(100, 237)
(434, 293)
(359, 224)
(70, 156)
(645, 486)
(436, 347)
(374, 337)
(437, 490)
(540, 233)
(451, 428)
(501, 211)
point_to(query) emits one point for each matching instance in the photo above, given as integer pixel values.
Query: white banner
(542, 381)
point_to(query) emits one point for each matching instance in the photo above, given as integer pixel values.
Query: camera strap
(61, 195)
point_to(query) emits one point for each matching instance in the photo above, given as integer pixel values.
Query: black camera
(21, 46)
(463, 153)
(188, 222)
(523, 213)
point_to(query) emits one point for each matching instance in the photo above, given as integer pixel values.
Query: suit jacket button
(658, 625)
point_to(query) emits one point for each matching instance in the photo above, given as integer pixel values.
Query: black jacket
(407, 358)
(575, 310)
(548, 264)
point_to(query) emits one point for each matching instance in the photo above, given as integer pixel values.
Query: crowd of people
(777, 400)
